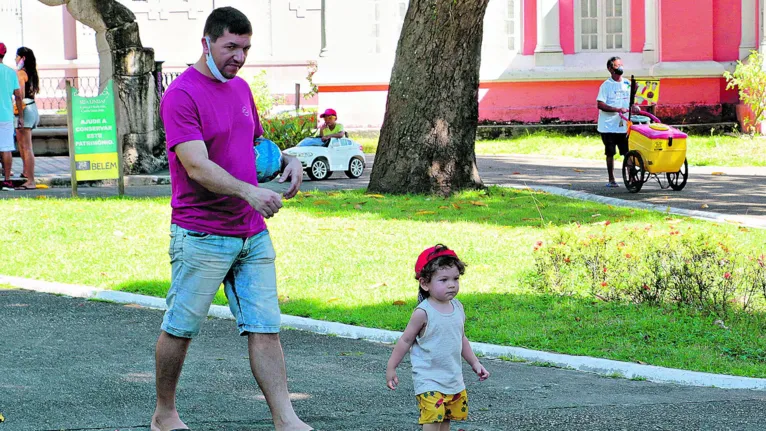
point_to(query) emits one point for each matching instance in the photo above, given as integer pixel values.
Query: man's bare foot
(298, 426)
(167, 423)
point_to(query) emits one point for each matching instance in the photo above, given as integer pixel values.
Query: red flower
(603, 284)
(604, 270)
(645, 287)
(727, 275)
(628, 256)
(567, 260)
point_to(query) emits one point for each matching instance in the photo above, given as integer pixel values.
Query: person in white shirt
(613, 99)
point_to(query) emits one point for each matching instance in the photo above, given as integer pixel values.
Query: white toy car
(320, 159)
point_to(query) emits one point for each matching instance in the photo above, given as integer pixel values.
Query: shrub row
(639, 265)
(286, 130)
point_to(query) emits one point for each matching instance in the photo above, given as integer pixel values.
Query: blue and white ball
(268, 159)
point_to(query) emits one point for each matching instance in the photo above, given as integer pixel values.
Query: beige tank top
(436, 356)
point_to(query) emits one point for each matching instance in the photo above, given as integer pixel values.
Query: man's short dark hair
(226, 18)
(610, 62)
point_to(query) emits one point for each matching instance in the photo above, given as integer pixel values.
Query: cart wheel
(677, 180)
(633, 173)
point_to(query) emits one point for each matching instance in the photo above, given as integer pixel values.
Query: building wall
(727, 29)
(679, 22)
(286, 37)
(695, 43)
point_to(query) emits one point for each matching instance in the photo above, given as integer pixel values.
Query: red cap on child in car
(328, 112)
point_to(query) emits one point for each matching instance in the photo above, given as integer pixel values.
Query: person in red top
(218, 233)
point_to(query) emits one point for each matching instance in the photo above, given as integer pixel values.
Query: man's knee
(260, 338)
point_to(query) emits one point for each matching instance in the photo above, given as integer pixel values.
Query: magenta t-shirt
(224, 116)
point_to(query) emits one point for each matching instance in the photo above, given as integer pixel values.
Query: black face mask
(618, 71)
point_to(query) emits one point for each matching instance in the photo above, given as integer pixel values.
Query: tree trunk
(429, 129)
(123, 58)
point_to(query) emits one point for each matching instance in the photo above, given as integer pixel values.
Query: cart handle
(644, 113)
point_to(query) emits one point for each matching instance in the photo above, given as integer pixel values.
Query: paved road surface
(72, 364)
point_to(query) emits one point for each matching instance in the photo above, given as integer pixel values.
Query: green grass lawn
(348, 257)
(702, 150)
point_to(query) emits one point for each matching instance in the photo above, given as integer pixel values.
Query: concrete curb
(130, 181)
(582, 363)
(702, 215)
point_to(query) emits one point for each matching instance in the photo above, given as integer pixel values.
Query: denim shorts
(201, 262)
(31, 117)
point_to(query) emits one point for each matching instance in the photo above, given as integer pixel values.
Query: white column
(548, 51)
(748, 41)
(324, 51)
(763, 30)
(650, 32)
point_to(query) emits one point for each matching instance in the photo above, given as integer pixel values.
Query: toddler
(436, 335)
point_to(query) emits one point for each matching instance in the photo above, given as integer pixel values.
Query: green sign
(94, 131)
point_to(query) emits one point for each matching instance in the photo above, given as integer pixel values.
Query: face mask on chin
(211, 64)
(20, 65)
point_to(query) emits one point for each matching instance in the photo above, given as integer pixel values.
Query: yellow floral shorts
(435, 407)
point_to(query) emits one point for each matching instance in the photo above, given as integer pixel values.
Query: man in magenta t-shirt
(218, 234)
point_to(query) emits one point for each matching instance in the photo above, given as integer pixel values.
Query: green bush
(286, 130)
(264, 100)
(750, 79)
(702, 271)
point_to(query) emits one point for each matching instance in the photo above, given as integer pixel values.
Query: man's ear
(205, 48)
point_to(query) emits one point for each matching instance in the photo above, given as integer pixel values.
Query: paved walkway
(73, 364)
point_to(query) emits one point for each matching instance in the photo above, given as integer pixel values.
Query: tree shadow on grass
(666, 336)
(501, 207)
(158, 288)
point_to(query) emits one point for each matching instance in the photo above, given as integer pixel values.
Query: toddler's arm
(415, 325)
(473, 361)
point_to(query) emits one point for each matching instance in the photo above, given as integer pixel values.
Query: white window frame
(376, 31)
(626, 27)
(518, 22)
(389, 23)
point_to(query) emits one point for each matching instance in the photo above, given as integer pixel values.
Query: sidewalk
(737, 193)
(55, 172)
(74, 364)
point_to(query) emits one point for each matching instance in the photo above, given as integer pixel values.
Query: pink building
(543, 60)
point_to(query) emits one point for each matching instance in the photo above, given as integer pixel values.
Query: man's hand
(20, 123)
(294, 171)
(623, 110)
(265, 201)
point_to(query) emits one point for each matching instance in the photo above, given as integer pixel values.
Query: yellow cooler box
(662, 147)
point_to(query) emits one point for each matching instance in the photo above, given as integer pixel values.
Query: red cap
(328, 112)
(3, 49)
(430, 254)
